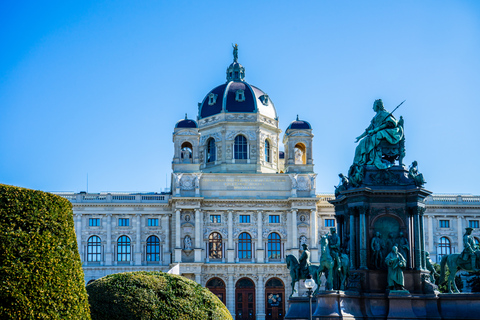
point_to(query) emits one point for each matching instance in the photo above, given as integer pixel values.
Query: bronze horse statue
(293, 265)
(336, 275)
(455, 263)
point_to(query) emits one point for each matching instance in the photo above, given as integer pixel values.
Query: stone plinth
(400, 305)
(298, 309)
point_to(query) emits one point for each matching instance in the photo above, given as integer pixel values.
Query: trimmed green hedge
(41, 274)
(152, 295)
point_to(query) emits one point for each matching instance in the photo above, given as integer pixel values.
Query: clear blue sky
(95, 87)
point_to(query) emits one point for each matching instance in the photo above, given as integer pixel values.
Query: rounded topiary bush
(152, 295)
(41, 274)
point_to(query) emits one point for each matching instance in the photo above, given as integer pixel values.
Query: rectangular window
(215, 218)
(473, 224)
(153, 222)
(444, 223)
(95, 222)
(329, 222)
(244, 218)
(274, 219)
(123, 222)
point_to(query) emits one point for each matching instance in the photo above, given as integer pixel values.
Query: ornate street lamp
(309, 284)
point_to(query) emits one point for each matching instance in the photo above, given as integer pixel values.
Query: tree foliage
(41, 274)
(443, 288)
(154, 295)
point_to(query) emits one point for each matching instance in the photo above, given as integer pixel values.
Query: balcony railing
(113, 197)
(450, 199)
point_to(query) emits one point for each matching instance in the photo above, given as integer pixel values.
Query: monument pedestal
(400, 305)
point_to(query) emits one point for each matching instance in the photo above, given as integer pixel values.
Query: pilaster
(260, 253)
(230, 246)
(178, 247)
(313, 235)
(138, 242)
(260, 298)
(198, 235)
(108, 251)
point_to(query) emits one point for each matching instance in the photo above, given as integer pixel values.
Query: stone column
(167, 250)
(422, 238)
(198, 235)
(313, 235)
(138, 242)
(289, 243)
(198, 278)
(178, 246)
(353, 240)
(416, 238)
(108, 251)
(260, 253)
(260, 298)
(431, 247)
(294, 231)
(363, 238)
(460, 233)
(230, 245)
(78, 233)
(231, 294)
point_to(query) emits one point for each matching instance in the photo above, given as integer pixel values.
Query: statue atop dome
(235, 52)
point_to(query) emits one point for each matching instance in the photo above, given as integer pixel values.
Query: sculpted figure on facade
(389, 243)
(415, 175)
(430, 267)
(377, 247)
(396, 263)
(187, 242)
(403, 247)
(343, 185)
(383, 127)
(469, 249)
(304, 262)
(334, 245)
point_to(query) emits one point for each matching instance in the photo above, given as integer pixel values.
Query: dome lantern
(235, 71)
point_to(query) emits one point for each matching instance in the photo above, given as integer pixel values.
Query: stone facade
(236, 207)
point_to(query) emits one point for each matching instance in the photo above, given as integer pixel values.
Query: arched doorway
(275, 299)
(244, 299)
(217, 286)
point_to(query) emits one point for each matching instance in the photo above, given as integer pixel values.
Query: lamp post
(309, 284)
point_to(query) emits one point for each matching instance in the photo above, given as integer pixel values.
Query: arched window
(186, 152)
(94, 245)
(240, 147)
(300, 154)
(211, 150)
(217, 287)
(274, 246)
(153, 248)
(267, 151)
(215, 245)
(444, 248)
(244, 246)
(123, 249)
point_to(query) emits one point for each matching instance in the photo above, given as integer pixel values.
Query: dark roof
(299, 124)
(207, 110)
(186, 123)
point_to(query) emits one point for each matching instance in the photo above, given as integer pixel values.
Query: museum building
(237, 207)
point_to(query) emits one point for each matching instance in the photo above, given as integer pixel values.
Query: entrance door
(244, 299)
(217, 286)
(275, 299)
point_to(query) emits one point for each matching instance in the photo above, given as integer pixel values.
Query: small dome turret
(186, 123)
(299, 124)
